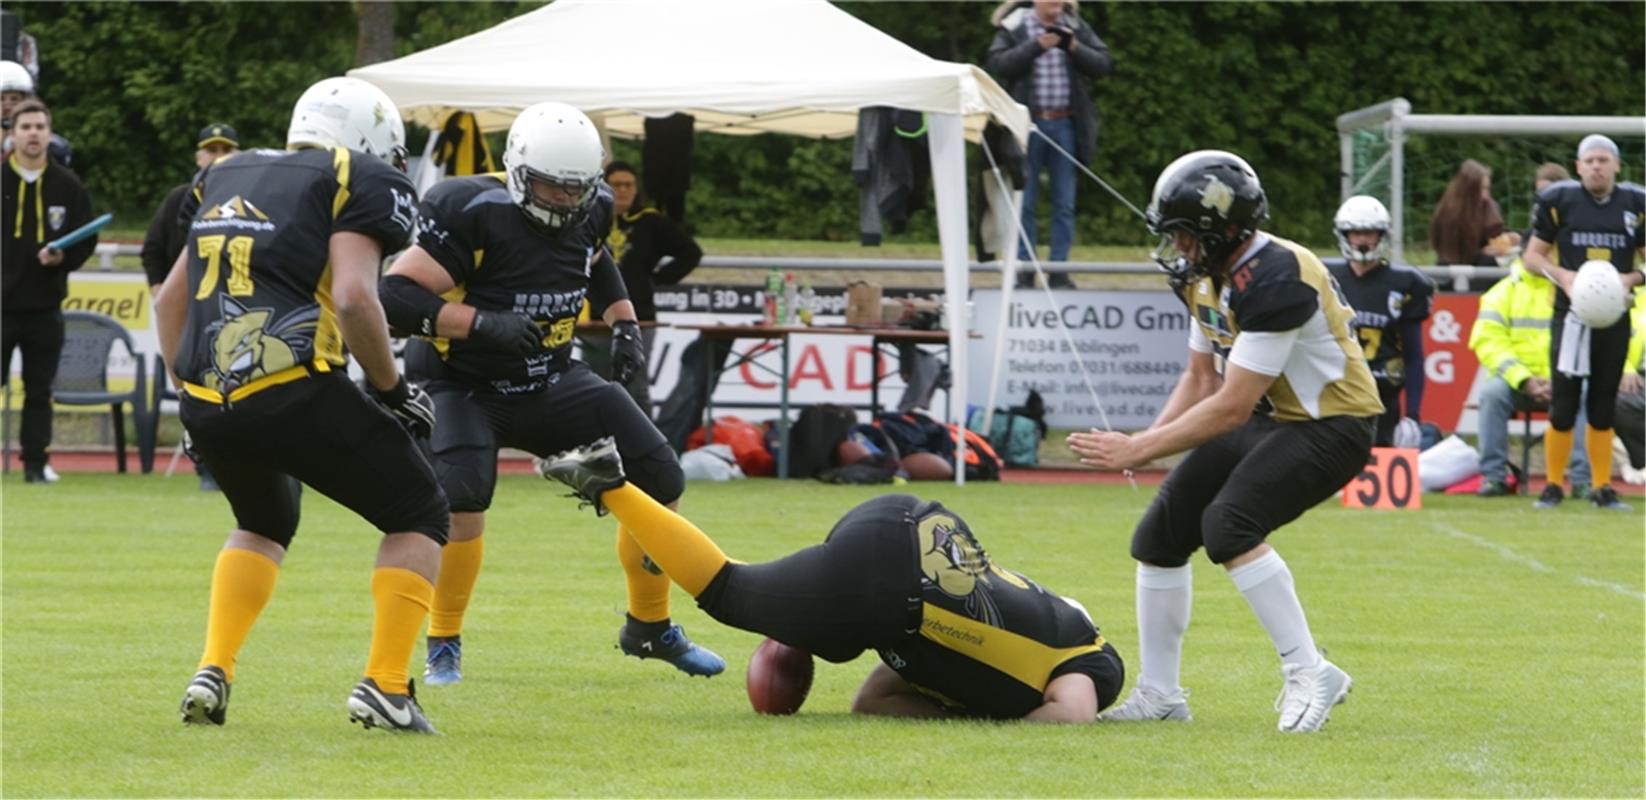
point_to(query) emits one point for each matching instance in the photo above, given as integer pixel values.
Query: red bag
(746, 440)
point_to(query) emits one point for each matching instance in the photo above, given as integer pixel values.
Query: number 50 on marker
(1388, 481)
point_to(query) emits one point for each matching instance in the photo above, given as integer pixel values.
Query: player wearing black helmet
(1283, 424)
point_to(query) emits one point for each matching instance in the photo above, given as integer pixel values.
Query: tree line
(131, 84)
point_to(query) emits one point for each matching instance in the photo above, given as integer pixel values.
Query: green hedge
(131, 83)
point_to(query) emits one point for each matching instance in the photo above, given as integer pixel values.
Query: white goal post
(1395, 120)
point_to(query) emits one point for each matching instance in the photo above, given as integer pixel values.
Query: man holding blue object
(42, 202)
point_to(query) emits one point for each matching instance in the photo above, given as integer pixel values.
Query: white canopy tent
(799, 67)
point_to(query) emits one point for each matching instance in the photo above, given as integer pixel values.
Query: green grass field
(1496, 652)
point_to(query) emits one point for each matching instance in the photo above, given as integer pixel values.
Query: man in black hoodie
(42, 201)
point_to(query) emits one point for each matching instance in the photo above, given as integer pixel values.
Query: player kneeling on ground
(956, 633)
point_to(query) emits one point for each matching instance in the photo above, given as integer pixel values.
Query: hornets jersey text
(1280, 286)
(1582, 228)
(259, 274)
(1383, 300)
(499, 261)
(1014, 636)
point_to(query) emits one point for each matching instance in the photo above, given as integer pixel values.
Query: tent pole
(946, 136)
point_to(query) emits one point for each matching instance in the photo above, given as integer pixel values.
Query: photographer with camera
(1047, 56)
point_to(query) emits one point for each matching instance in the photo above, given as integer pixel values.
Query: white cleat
(1305, 702)
(1146, 704)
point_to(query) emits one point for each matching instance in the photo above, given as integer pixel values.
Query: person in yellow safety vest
(1630, 422)
(1511, 339)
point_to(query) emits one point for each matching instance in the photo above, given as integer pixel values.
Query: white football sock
(1267, 584)
(1164, 595)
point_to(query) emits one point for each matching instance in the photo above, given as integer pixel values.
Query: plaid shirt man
(1051, 72)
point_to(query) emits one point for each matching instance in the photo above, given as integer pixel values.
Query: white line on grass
(1510, 555)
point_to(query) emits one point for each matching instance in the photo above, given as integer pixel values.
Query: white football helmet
(15, 77)
(1362, 213)
(553, 159)
(351, 113)
(1598, 297)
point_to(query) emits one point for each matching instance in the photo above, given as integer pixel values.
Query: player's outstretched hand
(409, 404)
(1103, 449)
(628, 351)
(506, 331)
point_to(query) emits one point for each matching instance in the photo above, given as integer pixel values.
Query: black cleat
(590, 470)
(1552, 496)
(1606, 497)
(669, 643)
(369, 706)
(206, 701)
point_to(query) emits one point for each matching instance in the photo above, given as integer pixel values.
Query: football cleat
(590, 470)
(1307, 697)
(1606, 497)
(369, 706)
(1492, 489)
(671, 644)
(1146, 705)
(1551, 497)
(445, 664)
(206, 700)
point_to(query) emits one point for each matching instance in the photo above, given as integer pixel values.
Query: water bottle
(791, 297)
(771, 313)
(808, 303)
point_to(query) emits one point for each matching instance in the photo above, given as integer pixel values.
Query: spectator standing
(1591, 219)
(1047, 56)
(167, 233)
(43, 200)
(1510, 338)
(1468, 225)
(651, 250)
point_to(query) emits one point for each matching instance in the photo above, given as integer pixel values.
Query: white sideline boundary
(1508, 554)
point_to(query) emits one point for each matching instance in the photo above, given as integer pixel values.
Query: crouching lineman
(1390, 304)
(493, 286)
(1268, 308)
(957, 634)
(278, 275)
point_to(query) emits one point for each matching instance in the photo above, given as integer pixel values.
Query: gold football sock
(1557, 446)
(402, 600)
(648, 591)
(689, 556)
(1599, 441)
(241, 584)
(459, 569)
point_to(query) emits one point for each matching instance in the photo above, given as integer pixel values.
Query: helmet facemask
(553, 204)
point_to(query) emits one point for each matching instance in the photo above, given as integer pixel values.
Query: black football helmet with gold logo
(1212, 196)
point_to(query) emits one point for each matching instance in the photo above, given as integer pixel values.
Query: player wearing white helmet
(279, 274)
(497, 358)
(1390, 304)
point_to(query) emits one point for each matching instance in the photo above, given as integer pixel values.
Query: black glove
(409, 404)
(506, 331)
(628, 351)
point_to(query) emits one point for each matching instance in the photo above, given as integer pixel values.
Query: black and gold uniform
(1583, 228)
(1311, 433)
(908, 579)
(266, 393)
(542, 402)
(1390, 304)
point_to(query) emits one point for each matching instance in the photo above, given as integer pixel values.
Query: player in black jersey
(279, 275)
(494, 287)
(1280, 425)
(1390, 304)
(1596, 218)
(957, 634)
